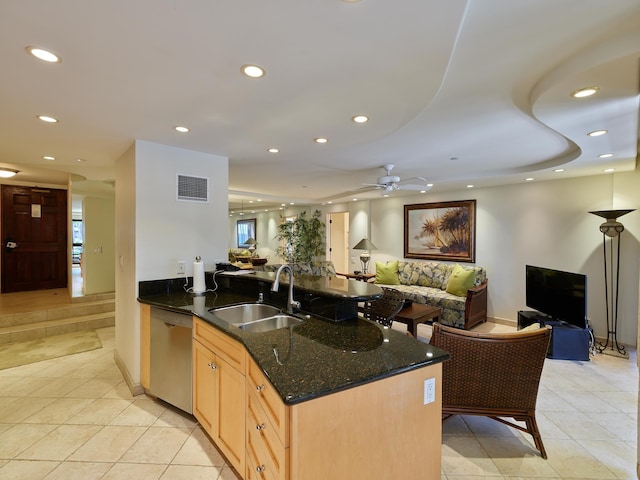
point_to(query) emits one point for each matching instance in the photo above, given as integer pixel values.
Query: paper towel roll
(198, 277)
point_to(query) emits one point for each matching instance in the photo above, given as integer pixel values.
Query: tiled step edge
(88, 308)
(22, 333)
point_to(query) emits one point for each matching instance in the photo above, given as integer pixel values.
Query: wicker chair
(493, 375)
(385, 309)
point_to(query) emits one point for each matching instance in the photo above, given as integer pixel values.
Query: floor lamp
(612, 229)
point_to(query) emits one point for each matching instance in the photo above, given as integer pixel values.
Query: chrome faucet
(291, 303)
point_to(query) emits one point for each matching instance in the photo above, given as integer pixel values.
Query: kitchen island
(332, 397)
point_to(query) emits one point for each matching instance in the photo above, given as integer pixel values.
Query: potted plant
(303, 239)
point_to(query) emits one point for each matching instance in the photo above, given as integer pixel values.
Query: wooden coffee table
(417, 313)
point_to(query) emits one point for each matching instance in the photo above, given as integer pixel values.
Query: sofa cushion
(387, 274)
(424, 274)
(460, 281)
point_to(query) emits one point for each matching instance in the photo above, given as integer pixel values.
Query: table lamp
(252, 245)
(365, 256)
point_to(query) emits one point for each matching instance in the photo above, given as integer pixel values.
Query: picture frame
(441, 231)
(246, 229)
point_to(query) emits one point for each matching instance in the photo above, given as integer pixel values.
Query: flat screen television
(559, 295)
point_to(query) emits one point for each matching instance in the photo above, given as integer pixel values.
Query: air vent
(192, 189)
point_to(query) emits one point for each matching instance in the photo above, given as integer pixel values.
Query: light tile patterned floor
(74, 417)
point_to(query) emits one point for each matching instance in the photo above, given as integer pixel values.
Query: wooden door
(34, 234)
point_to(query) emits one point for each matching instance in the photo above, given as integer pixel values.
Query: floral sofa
(426, 282)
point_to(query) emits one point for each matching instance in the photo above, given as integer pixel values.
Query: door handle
(11, 245)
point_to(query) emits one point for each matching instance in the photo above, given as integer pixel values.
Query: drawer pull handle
(260, 427)
(261, 469)
(260, 387)
(212, 366)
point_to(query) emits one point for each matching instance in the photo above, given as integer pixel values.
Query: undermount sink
(270, 323)
(245, 312)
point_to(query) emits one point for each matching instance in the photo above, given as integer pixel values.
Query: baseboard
(503, 321)
(135, 388)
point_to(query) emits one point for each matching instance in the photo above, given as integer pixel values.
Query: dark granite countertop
(319, 356)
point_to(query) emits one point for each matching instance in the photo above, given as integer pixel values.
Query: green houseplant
(302, 239)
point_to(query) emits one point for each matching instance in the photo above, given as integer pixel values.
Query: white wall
(98, 257)
(155, 231)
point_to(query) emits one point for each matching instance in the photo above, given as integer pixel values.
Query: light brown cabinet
(267, 429)
(219, 397)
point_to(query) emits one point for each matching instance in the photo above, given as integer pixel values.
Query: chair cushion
(387, 274)
(460, 281)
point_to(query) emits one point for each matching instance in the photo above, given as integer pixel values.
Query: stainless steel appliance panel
(171, 376)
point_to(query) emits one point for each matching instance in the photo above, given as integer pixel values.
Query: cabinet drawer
(275, 410)
(230, 350)
(256, 470)
(263, 440)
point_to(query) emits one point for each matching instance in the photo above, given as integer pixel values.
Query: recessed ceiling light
(253, 71)
(80, 160)
(558, 170)
(355, 199)
(48, 157)
(46, 118)
(606, 155)
(181, 129)
(469, 186)
(330, 202)
(597, 133)
(8, 172)
(320, 140)
(273, 150)
(360, 119)
(291, 203)
(609, 170)
(585, 92)
(423, 191)
(385, 195)
(429, 185)
(45, 55)
(528, 179)
(283, 204)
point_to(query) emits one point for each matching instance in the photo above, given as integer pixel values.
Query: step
(48, 328)
(83, 313)
(58, 313)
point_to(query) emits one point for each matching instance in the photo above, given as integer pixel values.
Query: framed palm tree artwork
(441, 231)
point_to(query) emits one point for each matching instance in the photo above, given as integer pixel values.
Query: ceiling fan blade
(421, 179)
(414, 187)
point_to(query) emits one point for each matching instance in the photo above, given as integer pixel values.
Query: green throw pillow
(460, 281)
(387, 274)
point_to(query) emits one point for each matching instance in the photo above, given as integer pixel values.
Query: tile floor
(73, 417)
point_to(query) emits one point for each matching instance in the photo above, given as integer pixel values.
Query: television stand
(568, 342)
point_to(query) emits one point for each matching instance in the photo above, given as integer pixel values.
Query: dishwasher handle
(171, 318)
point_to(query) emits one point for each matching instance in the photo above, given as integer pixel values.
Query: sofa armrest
(475, 310)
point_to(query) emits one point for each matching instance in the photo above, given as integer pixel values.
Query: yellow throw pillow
(387, 274)
(460, 281)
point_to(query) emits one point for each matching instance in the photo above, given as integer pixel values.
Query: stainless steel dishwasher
(171, 372)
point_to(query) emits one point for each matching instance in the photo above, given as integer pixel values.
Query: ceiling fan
(388, 183)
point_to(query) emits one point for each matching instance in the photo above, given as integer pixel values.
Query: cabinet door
(204, 387)
(231, 404)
